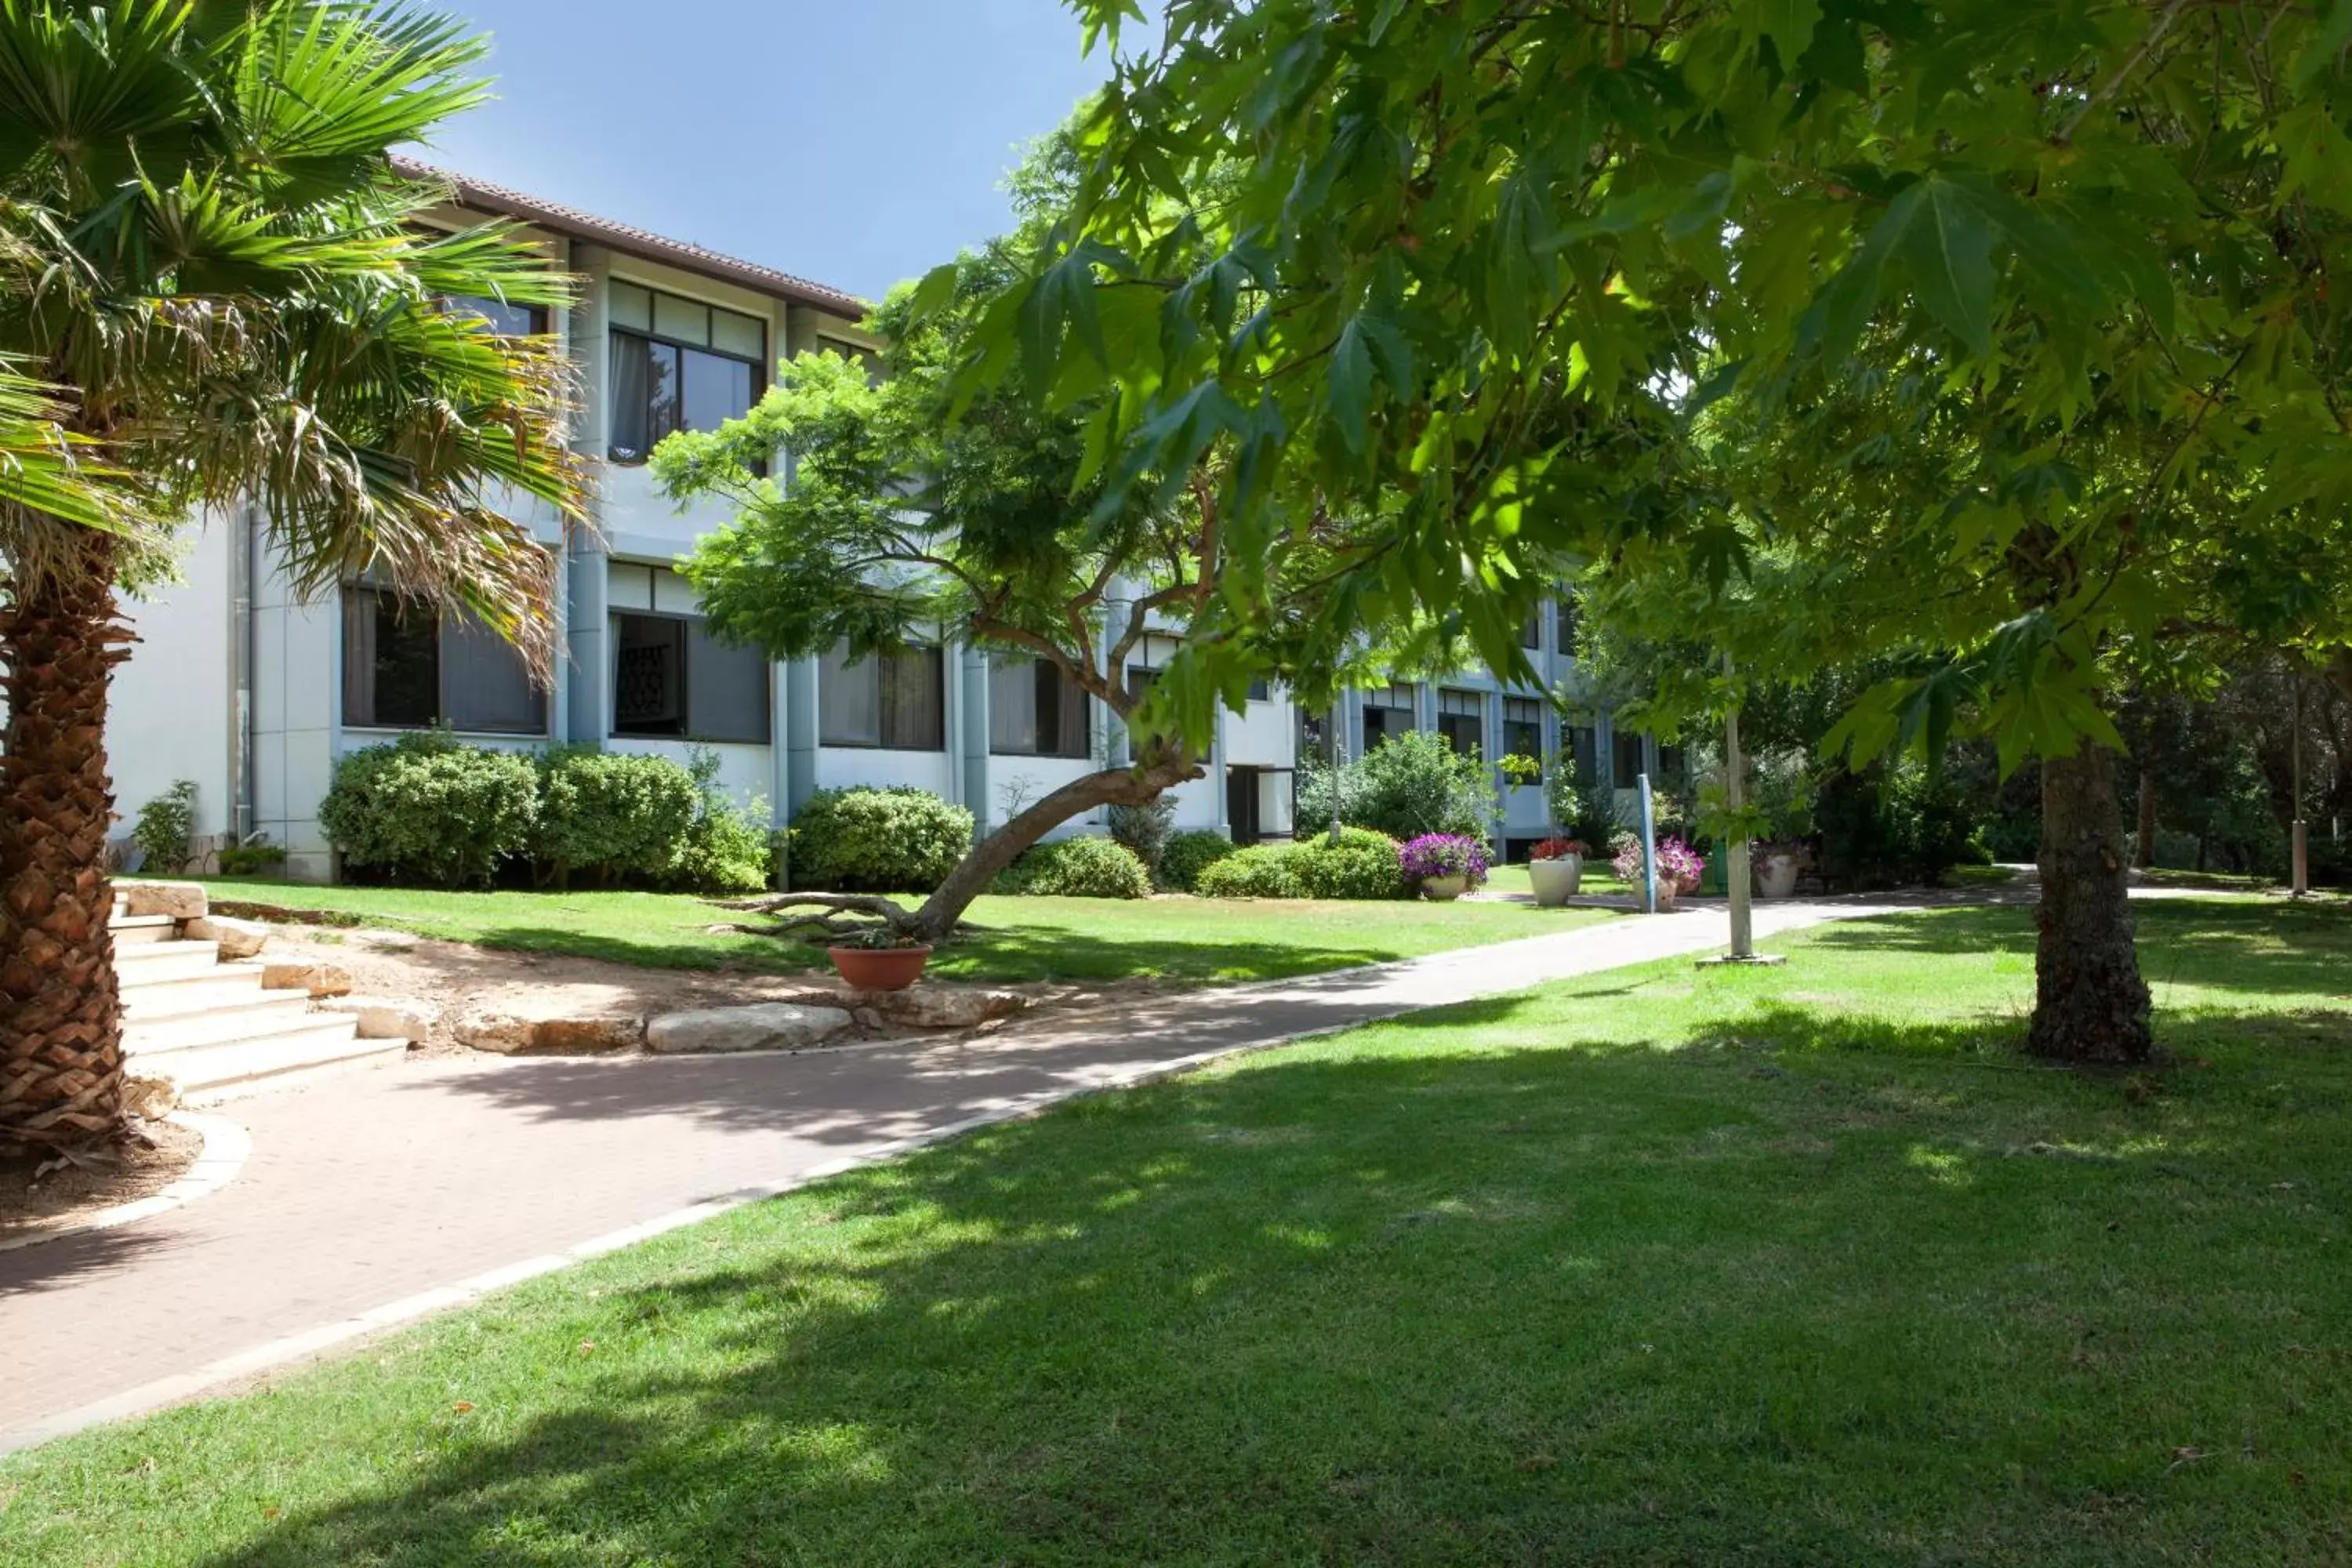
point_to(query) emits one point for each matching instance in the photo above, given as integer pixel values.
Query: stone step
(256, 1016)
(147, 963)
(222, 985)
(211, 1071)
(143, 931)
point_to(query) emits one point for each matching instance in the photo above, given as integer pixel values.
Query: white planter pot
(1556, 882)
(1443, 889)
(1776, 875)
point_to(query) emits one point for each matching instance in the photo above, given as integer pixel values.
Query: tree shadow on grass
(1412, 1303)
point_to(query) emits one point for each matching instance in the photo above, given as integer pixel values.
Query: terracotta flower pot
(1443, 889)
(879, 968)
(1556, 882)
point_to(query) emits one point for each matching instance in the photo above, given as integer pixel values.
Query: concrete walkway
(391, 1191)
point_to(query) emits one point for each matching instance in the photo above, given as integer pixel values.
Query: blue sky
(853, 141)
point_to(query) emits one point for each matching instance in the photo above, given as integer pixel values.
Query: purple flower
(1442, 855)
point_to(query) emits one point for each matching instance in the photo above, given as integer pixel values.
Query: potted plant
(1446, 865)
(1779, 863)
(879, 960)
(1679, 869)
(1555, 867)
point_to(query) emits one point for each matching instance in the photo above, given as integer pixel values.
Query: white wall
(173, 709)
(1045, 776)
(1264, 735)
(744, 772)
(840, 767)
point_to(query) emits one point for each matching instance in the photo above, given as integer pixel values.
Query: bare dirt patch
(63, 1197)
(451, 978)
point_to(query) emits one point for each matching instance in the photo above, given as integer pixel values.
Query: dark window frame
(481, 305)
(938, 667)
(613, 332)
(1049, 675)
(1522, 735)
(1453, 723)
(690, 732)
(408, 611)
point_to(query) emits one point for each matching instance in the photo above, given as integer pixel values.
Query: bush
(167, 829)
(1145, 829)
(1260, 871)
(1189, 853)
(429, 808)
(727, 848)
(610, 814)
(897, 839)
(1362, 865)
(1082, 868)
(1408, 785)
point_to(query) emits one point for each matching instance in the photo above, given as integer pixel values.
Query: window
(1035, 709)
(896, 700)
(405, 666)
(1626, 753)
(1260, 690)
(672, 679)
(1522, 727)
(1564, 612)
(1583, 744)
(1388, 713)
(1531, 630)
(507, 321)
(852, 352)
(678, 365)
(1462, 719)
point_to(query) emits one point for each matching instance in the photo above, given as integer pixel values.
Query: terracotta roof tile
(637, 242)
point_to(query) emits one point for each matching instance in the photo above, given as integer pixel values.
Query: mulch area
(58, 1199)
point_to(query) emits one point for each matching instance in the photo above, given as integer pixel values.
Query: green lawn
(1008, 940)
(1665, 1266)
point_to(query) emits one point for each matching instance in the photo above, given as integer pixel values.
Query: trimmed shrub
(1189, 853)
(167, 829)
(1260, 871)
(727, 848)
(1145, 829)
(1362, 865)
(424, 807)
(1410, 785)
(899, 840)
(1084, 867)
(609, 815)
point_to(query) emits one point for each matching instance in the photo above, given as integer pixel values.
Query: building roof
(641, 243)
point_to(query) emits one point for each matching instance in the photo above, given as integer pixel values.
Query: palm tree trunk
(60, 1011)
(2090, 1002)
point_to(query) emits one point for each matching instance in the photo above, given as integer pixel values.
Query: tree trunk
(61, 1011)
(1137, 785)
(2090, 1003)
(2144, 852)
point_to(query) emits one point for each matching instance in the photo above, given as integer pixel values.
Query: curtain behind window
(849, 699)
(1071, 738)
(728, 689)
(485, 685)
(914, 709)
(1011, 705)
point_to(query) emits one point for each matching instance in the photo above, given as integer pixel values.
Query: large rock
(515, 1028)
(237, 939)
(384, 1018)
(943, 1007)
(764, 1026)
(151, 1098)
(180, 900)
(318, 979)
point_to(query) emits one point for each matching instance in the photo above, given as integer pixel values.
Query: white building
(254, 696)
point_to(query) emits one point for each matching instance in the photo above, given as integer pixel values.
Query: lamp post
(2298, 830)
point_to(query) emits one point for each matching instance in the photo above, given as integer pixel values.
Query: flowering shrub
(1443, 855)
(1678, 863)
(1558, 849)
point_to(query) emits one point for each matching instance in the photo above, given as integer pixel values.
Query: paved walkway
(385, 1193)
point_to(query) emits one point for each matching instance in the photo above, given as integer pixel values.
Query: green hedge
(1362, 865)
(612, 816)
(427, 809)
(1189, 853)
(1081, 867)
(897, 839)
(1260, 871)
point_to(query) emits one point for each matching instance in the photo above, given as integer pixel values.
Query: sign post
(1649, 851)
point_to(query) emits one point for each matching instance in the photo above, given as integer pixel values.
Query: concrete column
(588, 683)
(1491, 723)
(1217, 774)
(585, 688)
(801, 738)
(779, 729)
(1425, 705)
(973, 772)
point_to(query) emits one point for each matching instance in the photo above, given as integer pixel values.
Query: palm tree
(210, 258)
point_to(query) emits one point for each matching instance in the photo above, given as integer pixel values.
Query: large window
(1583, 744)
(1462, 719)
(1627, 752)
(1564, 612)
(1531, 630)
(1388, 713)
(894, 701)
(408, 667)
(673, 680)
(1035, 709)
(1522, 727)
(678, 365)
(506, 319)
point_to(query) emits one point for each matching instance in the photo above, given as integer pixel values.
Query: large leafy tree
(210, 258)
(2091, 246)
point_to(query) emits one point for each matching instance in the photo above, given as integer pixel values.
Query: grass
(1791, 1266)
(1006, 939)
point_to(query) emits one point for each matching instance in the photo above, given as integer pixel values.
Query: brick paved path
(369, 1193)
